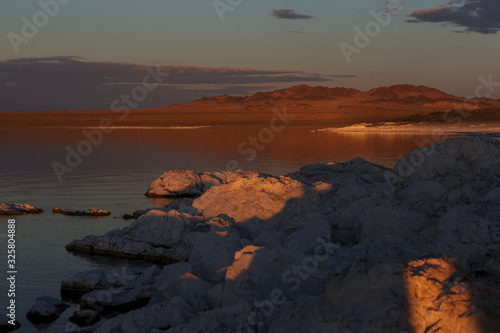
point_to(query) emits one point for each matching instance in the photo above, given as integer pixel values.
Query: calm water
(117, 173)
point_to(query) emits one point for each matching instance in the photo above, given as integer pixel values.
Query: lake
(116, 174)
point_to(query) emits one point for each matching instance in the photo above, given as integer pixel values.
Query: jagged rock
(469, 155)
(46, 310)
(439, 301)
(89, 212)
(18, 209)
(347, 247)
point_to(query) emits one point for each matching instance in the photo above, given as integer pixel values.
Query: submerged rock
(18, 209)
(342, 247)
(46, 310)
(89, 212)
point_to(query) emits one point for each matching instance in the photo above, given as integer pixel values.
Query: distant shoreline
(412, 128)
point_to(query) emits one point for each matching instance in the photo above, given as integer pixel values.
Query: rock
(451, 158)
(89, 212)
(153, 237)
(84, 282)
(175, 183)
(334, 247)
(46, 310)
(437, 300)
(187, 183)
(18, 209)
(170, 313)
(85, 317)
(8, 325)
(171, 272)
(213, 249)
(265, 197)
(191, 288)
(117, 299)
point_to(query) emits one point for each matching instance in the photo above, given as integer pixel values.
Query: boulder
(18, 209)
(46, 310)
(250, 200)
(84, 282)
(176, 183)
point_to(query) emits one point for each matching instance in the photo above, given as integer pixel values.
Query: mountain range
(304, 95)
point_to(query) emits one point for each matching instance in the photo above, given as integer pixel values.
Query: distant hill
(402, 94)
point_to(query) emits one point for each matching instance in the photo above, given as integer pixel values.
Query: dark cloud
(289, 14)
(56, 83)
(482, 16)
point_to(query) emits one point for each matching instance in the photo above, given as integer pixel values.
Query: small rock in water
(6, 324)
(46, 310)
(18, 209)
(89, 212)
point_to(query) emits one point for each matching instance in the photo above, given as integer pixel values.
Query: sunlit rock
(18, 209)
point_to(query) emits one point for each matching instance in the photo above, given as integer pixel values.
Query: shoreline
(423, 128)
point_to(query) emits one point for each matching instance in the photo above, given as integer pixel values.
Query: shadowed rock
(46, 310)
(89, 212)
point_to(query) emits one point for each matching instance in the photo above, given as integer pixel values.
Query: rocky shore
(334, 247)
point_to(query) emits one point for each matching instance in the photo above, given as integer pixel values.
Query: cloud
(69, 82)
(481, 16)
(289, 14)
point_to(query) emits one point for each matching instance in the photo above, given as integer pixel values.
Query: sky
(69, 54)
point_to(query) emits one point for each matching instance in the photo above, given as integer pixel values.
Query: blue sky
(443, 50)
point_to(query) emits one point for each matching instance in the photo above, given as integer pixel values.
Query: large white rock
(175, 183)
(250, 200)
(332, 247)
